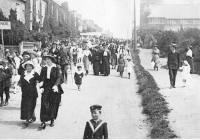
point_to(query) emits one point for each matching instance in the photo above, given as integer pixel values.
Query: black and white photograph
(99, 69)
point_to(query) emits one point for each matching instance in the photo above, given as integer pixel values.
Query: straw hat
(28, 63)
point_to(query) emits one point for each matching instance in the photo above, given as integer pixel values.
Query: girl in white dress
(185, 74)
(129, 67)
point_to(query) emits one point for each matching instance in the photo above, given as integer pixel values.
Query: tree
(2, 17)
(18, 31)
(167, 37)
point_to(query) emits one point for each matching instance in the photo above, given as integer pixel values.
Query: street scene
(99, 69)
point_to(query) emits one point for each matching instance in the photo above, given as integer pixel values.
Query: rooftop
(175, 11)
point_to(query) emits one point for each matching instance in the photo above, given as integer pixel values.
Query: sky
(115, 16)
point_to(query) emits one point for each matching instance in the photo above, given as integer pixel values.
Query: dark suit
(65, 61)
(95, 130)
(173, 64)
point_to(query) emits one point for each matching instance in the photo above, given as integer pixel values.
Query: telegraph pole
(135, 31)
(40, 16)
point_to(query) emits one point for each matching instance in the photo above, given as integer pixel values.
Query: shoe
(42, 126)
(6, 103)
(32, 120)
(52, 123)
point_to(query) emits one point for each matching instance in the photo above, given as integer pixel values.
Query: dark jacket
(173, 60)
(65, 57)
(95, 130)
(56, 54)
(8, 72)
(2, 78)
(29, 87)
(55, 79)
(78, 78)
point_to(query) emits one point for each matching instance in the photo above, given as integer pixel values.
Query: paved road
(184, 102)
(121, 109)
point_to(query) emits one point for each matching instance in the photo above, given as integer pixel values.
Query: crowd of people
(45, 69)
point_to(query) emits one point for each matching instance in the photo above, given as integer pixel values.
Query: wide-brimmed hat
(173, 45)
(28, 63)
(26, 53)
(53, 59)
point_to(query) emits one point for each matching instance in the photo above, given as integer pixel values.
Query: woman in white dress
(86, 61)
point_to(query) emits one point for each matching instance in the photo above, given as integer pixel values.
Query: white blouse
(49, 70)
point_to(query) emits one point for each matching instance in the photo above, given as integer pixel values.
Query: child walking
(2, 78)
(78, 76)
(96, 128)
(185, 73)
(129, 67)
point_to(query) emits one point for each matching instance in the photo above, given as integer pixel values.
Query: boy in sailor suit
(96, 128)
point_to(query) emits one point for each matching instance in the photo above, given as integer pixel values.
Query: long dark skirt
(49, 105)
(28, 104)
(106, 66)
(96, 67)
(74, 59)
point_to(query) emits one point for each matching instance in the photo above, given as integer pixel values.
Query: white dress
(130, 67)
(185, 74)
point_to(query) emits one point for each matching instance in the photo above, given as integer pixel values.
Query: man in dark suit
(96, 128)
(65, 61)
(173, 64)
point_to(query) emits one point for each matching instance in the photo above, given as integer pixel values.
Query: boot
(43, 125)
(52, 123)
(129, 75)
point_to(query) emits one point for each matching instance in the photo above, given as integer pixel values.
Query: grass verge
(154, 105)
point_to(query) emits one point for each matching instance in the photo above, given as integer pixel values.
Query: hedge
(153, 103)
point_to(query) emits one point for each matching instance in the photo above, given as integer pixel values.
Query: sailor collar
(92, 127)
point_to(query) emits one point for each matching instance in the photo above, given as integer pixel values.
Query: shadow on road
(9, 108)
(20, 124)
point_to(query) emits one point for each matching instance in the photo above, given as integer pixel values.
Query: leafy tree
(167, 37)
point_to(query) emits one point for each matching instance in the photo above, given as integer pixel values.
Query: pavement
(121, 110)
(184, 101)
